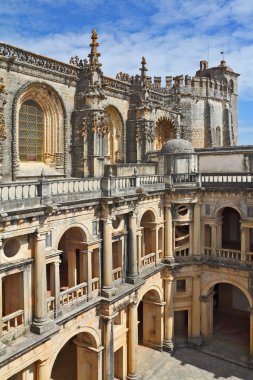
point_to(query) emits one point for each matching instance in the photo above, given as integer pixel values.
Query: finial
(143, 69)
(94, 54)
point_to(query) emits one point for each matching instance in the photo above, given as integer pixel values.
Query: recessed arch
(82, 345)
(226, 280)
(166, 129)
(116, 134)
(54, 124)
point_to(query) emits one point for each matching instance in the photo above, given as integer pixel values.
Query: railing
(117, 273)
(124, 182)
(207, 251)
(14, 191)
(71, 295)
(95, 284)
(148, 260)
(116, 84)
(150, 179)
(181, 252)
(13, 321)
(237, 179)
(20, 55)
(184, 178)
(228, 254)
(50, 304)
(67, 186)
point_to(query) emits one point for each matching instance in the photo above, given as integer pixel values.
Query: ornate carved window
(31, 132)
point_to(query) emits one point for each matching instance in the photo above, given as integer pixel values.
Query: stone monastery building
(126, 216)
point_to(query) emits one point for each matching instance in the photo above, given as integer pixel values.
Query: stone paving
(187, 364)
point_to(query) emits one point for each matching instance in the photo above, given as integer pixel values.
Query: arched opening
(218, 137)
(148, 239)
(39, 128)
(165, 130)
(231, 86)
(31, 132)
(79, 268)
(228, 322)
(78, 359)
(115, 142)
(231, 232)
(150, 320)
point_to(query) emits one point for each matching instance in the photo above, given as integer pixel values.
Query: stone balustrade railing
(116, 84)
(13, 321)
(227, 179)
(15, 54)
(117, 273)
(69, 296)
(148, 260)
(19, 194)
(14, 191)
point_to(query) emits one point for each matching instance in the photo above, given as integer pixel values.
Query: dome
(177, 146)
(224, 64)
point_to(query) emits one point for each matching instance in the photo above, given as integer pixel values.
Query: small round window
(116, 222)
(182, 210)
(11, 247)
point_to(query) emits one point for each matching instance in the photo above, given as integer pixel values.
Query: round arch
(210, 285)
(217, 212)
(72, 334)
(82, 345)
(149, 211)
(156, 291)
(84, 229)
(54, 111)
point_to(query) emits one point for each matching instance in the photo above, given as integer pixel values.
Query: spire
(143, 70)
(94, 54)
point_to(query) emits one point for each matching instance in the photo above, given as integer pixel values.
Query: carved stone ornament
(95, 121)
(145, 130)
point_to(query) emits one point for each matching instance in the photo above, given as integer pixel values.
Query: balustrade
(69, 296)
(148, 260)
(13, 321)
(117, 273)
(228, 254)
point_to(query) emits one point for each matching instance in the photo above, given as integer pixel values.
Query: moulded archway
(149, 236)
(53, 113)
(225, 322)
(150, 319)
(78, 358)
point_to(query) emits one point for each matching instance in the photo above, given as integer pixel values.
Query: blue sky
(173, 35)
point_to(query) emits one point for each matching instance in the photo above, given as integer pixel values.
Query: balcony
(148, 261)
(13, 324)
(17, 195)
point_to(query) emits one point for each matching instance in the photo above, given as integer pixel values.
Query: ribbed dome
(177, 146)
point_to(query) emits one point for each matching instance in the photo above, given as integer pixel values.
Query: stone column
(108, 348)
(132, 250)
(2, 346)
(43, 370)
(132, 341)
(195, 336)
(204, 316)
(56, 266)
(41, 323)
(72, 274)
(213, 238)
(89, 275)
(244, 242)
(251, 337)
(168, 235)
(168, 314)
(196, 230)
(27, 288)
(139, 242)
(108, 289)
